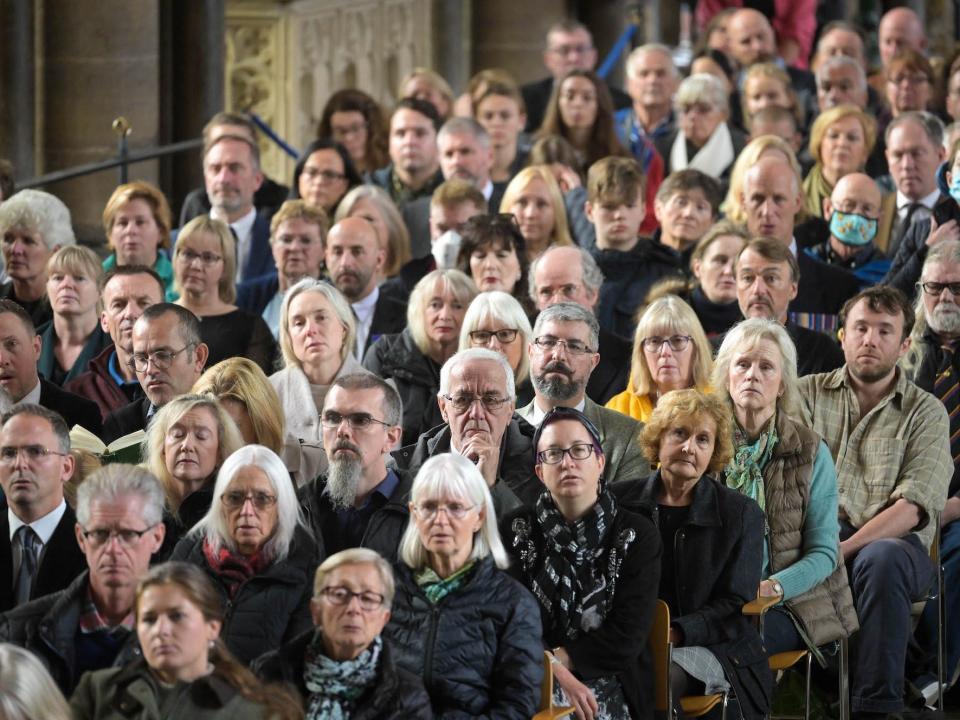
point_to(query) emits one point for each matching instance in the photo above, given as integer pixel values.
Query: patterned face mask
(852, 229)
(955, 187)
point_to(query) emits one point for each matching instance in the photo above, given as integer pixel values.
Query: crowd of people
(494, 375)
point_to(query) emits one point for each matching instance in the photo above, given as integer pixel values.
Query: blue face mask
(852, 229)
(955, 187)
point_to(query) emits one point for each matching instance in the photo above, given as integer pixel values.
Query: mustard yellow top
(639, 407)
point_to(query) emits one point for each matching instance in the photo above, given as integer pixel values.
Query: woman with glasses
(469, 630)
(204, 266)
(342, 668)
(355, 120)
(495, 320)
(592, 566)
(323, 175)
(910, 82)
(255, 546)
(670, 352)
(494, 254)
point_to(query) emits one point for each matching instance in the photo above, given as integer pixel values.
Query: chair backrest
(546, 687)
(660, 652)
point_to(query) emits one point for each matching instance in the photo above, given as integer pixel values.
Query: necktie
(29, 546)
(947, 388)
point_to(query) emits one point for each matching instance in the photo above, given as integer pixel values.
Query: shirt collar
(793, 246)
(43, 527)
(539, 414)
(33, 396)
(487, 191)
(841, 377)
(114, 369)
(928, 201)
(365, 307)
(386, 486)
(243, 226)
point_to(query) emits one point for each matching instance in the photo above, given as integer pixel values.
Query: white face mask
(445, 249)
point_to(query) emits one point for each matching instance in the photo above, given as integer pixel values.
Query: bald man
(354, 259)
(900, 29)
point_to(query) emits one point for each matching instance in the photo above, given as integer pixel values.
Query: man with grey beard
(562, 356)
(359, 502)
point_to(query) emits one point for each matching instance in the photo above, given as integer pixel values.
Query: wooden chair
(548, 710)
(661, 650)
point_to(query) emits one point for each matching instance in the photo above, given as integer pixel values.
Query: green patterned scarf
(437, 588)
(745, 471)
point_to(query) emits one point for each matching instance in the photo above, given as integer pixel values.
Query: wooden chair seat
(784, 660)
(697, 705)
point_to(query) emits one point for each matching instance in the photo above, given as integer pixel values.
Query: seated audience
(470, 631)
(686, 205)
(28, 690)
(324, 174)
(255, 547)
(355, 120)
(425, 84)
(414, 169)
(670, 352)
(342, 667)
(782, 124)
(652, 80)
(593, 567)
(910, 82)
(493, 253)
(413, 358)
(466, 154)
(534, 198)
(765, 85)
(176, 605)
(500, 109)
(374, 205)
(758, 147)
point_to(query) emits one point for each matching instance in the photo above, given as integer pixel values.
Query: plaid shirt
(92, 621)
(900, 449)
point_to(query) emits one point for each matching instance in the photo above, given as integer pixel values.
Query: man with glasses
(477, 398)
(359, 501)
(38, 554)
(168, 358)
(562, 356)
(89, 624)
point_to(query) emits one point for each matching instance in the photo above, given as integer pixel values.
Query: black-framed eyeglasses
(127, 537)
(325, 175)
(234, 499)
(547, 343)
(338, 595)
(504, 336)
(206, 258)
(358, 421)
(33, 453)
(936, 288)
(677, 343)
(161, 359)
(462, 403)
(554, 455)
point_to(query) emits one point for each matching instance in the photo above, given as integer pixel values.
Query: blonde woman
(534, 198)
(27, 692)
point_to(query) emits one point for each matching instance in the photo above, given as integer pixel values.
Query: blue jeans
(927, 629)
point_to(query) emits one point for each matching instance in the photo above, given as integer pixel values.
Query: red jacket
(97, 384)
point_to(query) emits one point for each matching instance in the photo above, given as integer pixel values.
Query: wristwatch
(777, 587)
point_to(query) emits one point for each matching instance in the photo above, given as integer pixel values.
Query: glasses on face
(206, 258)
(698, 108)
(565, 50)
(33, 453)
(324, 175)
(161, 359)
(936, 288)
(358, 421)
(462, 403)
(504, 337)
(98, 537)
(429, 509)
(234, 499)
(578, 451)
(910, 79)
(340, 596)
(547, 343)
(677, 343)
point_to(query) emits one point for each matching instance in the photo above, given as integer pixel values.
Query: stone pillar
(17, 67)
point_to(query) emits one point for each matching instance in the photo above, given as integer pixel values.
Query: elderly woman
(670, 352)
(317, 330)
(355, 120)
(186, 670)
(343, 668)
(425, 84)
(414, 357)
(254, 545)
(373, 204)
(459, 621)
(592, 566)
(534, 198)
(712, 538)
(324, 174)
(910, 82)
(495, 320)
(703, 140)
(841, 140)
(33, 226)
(137, 221)
(74, 336)
(248, 397)
(494, 254)
(787, 469)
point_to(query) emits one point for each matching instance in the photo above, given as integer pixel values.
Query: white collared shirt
(364, 310)
(33, 396)
(43, 527)
(244, 231)
(904, 203)
(488, 192)
(539, 413)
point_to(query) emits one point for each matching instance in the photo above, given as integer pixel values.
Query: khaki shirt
(900, 449)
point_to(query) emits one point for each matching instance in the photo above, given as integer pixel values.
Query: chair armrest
(760, 605)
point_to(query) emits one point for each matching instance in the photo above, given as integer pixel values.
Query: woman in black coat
(712, 551)
(593, 568)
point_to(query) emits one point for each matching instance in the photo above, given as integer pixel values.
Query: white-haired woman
(414, 357)
(496, 320)
(27, 692)
(788, 470)
(255, 546)
(703, 140)
(459, 621)
(317, 332)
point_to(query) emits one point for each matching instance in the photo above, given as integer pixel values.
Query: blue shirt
(352, 522)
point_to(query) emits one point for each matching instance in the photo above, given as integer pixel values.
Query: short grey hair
(464, 356)
(357, 556)
(214, 527)
(111, 482)
(591, 276)
(392, 404)
(930, 123)
(500, 307)
(842, 61)
(55, 420)
(40, 212)
(637, 52)
(570, 312)
(465, 126)
(702, 88)
(746, 335)
(452, 475)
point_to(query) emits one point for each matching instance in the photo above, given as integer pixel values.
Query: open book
(124, 449)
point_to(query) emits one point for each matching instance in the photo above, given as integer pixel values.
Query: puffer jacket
(478, 650)
(417, 379)
(270, 608)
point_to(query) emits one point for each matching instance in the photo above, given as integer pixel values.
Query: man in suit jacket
(562, 356)
(354, 258)
(38, 551)
(466, 154)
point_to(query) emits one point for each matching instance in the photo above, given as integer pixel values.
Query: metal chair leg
(941, 637)
(806, 692)
(723, 711)
(844, 679)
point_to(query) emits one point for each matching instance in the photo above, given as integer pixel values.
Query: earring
(211, 644)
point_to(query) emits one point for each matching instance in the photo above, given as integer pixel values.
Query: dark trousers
(886, 578)
(927, 629)
(779, 633)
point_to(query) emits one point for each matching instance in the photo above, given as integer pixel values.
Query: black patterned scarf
(335, 686)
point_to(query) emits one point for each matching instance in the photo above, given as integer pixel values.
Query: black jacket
(610, 375)
(417, 379)
(394, 695)
(619, 645)
(908, 262)
(389, 318)
(717, 566)
(270, 608)
(75, 410)
(48, 627)
(126, 420)
(478, 650)
(823, 288)
(816, 351)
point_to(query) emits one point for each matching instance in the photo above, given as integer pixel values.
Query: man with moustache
(359, 502)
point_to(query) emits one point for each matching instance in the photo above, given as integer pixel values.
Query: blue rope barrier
(614, 55)
(268, 131)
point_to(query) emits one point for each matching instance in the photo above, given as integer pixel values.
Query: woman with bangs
(534, 198)
(493, 253)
